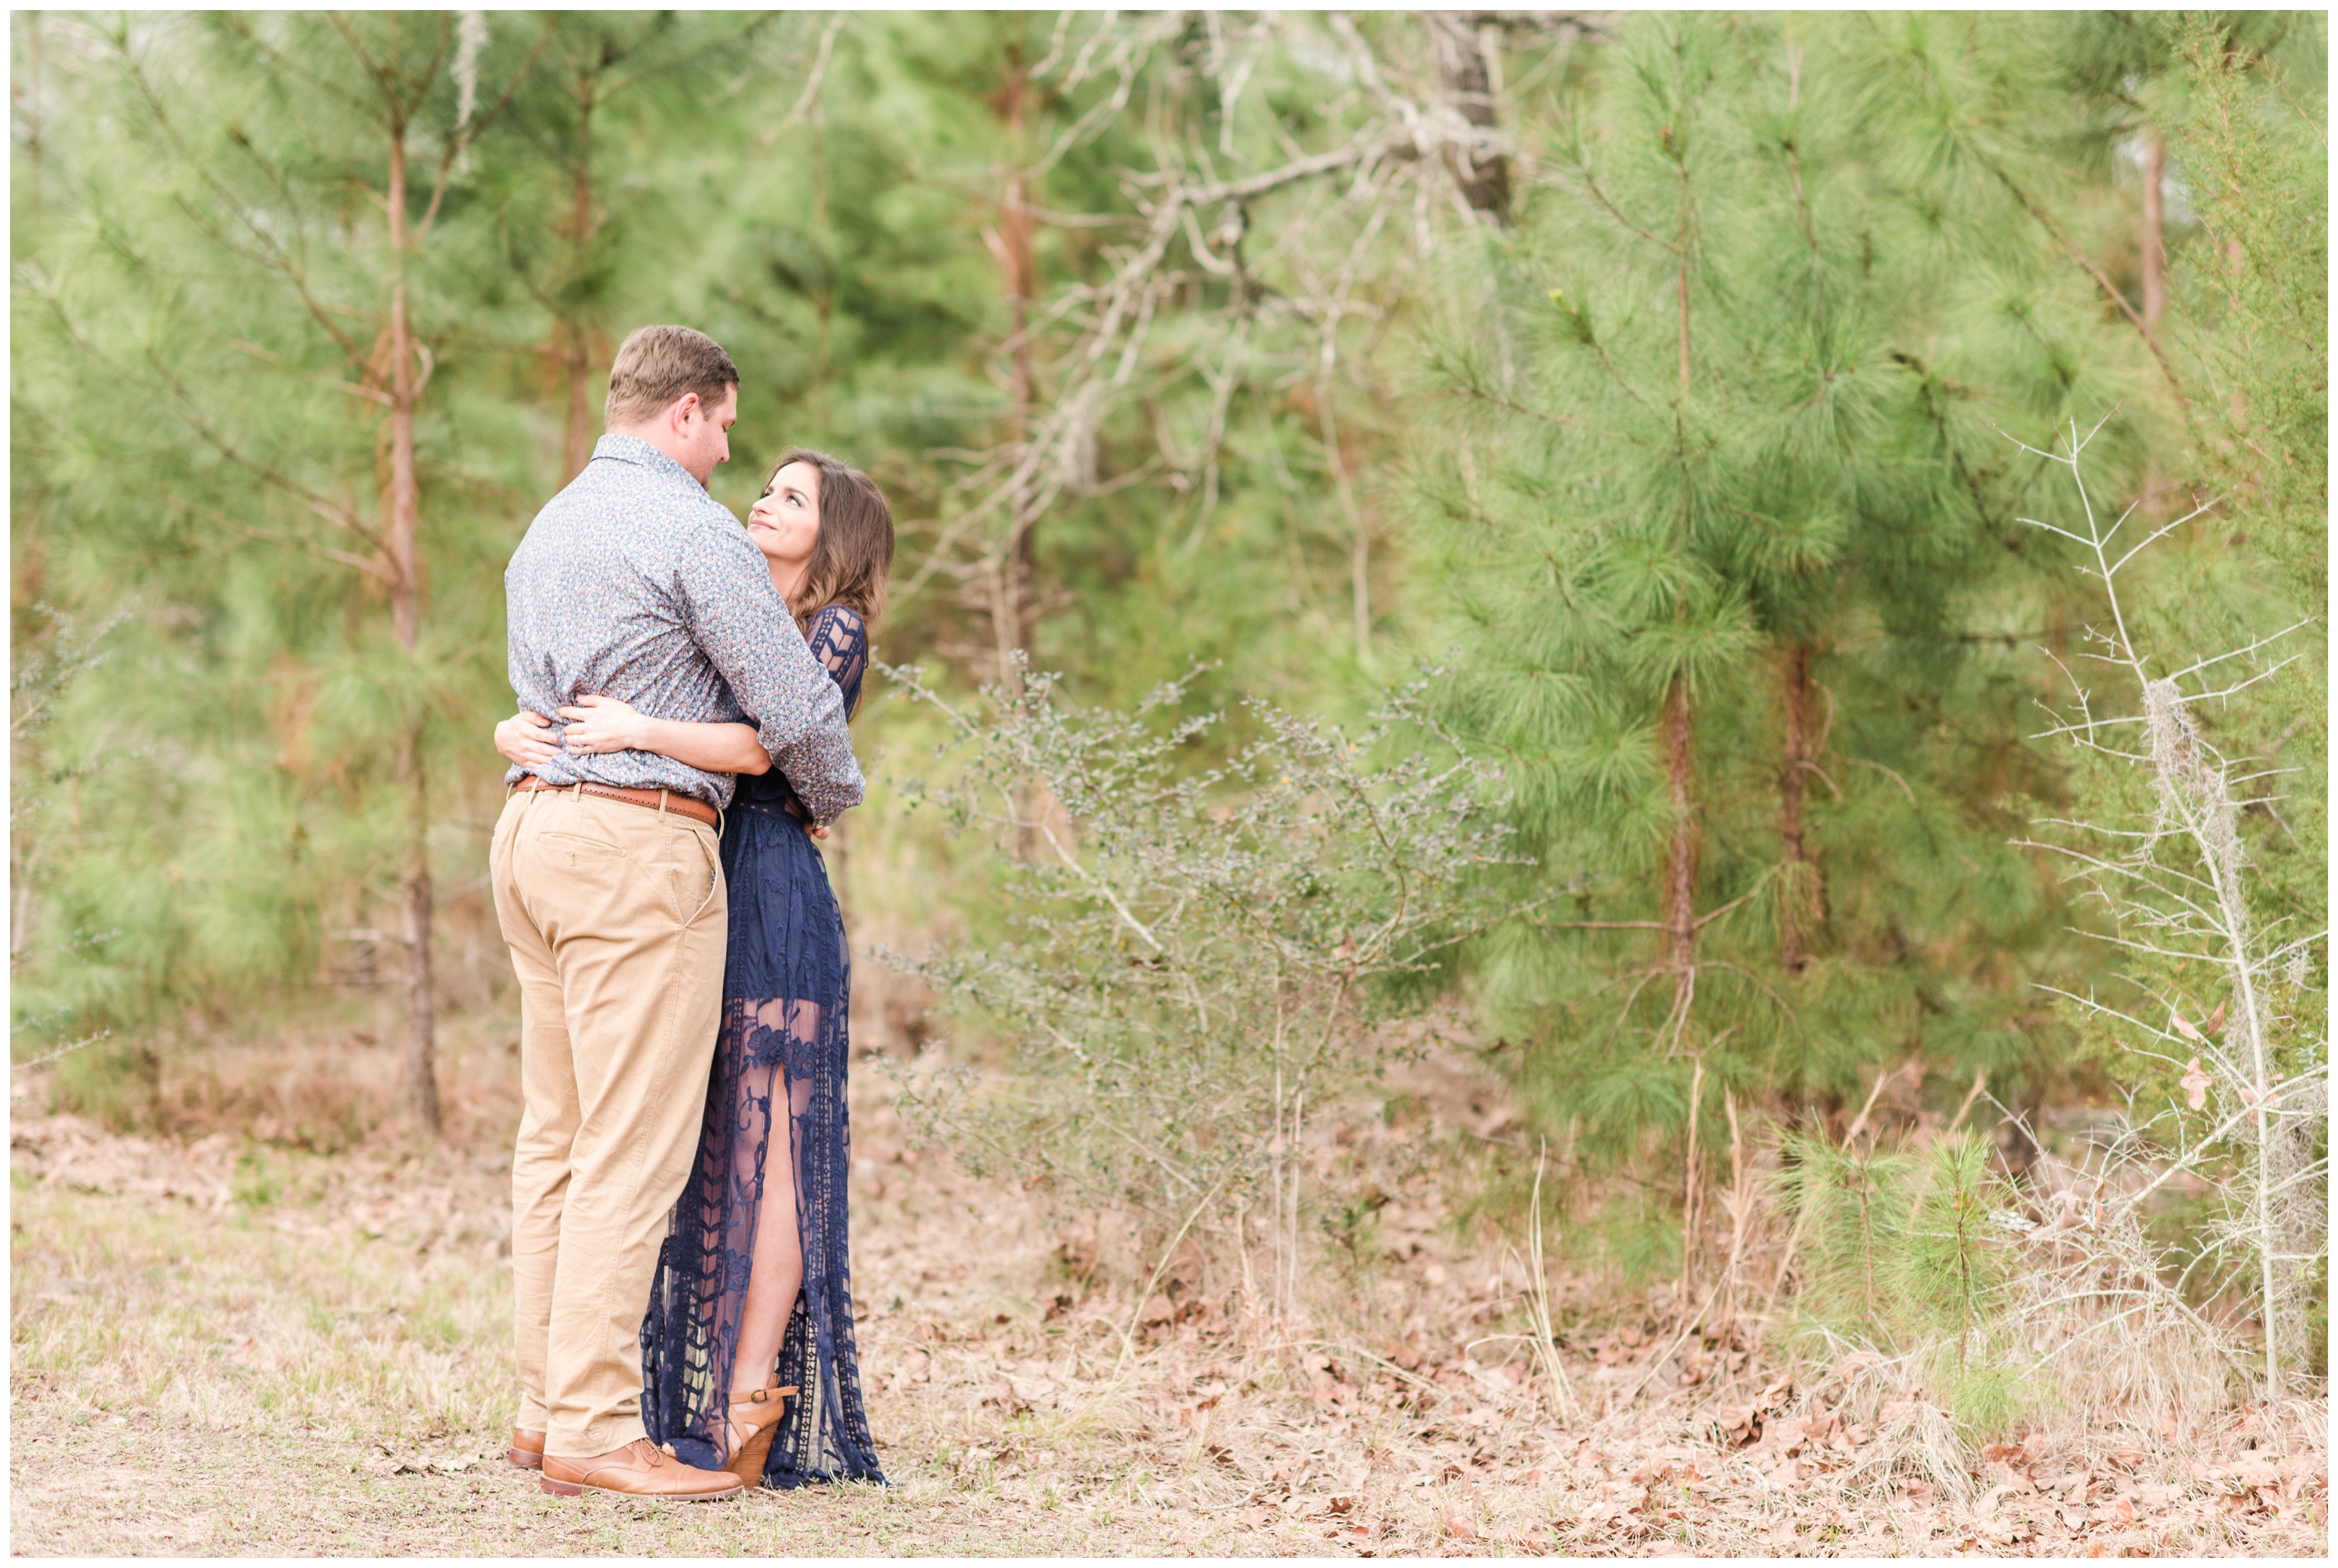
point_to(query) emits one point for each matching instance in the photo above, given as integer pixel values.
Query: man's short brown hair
(656, 365)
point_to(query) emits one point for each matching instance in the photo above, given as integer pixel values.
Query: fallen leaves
(1744, 1425)
(2014, 1455)
(384, 1461)
(1327, 1385)
(1254, 1445)
(911, 1369)
(68, 1152)
(1738, 1424)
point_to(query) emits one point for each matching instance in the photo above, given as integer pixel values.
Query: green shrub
(1199, 953)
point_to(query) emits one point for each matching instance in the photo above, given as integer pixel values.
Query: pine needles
(1905, 1254)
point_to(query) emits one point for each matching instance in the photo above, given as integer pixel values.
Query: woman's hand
(522, 739)
(598, 724)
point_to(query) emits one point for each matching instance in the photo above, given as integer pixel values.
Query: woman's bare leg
(777, 1275)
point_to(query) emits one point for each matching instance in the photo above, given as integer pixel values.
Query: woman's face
(786, 521)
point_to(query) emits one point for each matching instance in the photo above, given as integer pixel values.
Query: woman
(742, 1313)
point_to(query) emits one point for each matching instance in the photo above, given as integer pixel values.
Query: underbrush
(322, 1077)
(1209, 979)
(1891, 1310)
(1026, 1385)
(1899, 1278)
(1198, 942)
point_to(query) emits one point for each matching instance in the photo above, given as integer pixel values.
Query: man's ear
(681, 410)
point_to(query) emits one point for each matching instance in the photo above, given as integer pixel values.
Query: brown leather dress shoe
(526, 1449)
(637, 1470)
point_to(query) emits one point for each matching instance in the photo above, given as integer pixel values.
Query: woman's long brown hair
(854, 550)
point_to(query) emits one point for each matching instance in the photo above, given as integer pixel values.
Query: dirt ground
(225, 1348)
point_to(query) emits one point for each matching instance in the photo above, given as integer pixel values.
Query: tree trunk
(1680, 861)
(1802, 898)
(1465, 77)
(1689, 1186)
(577, 334)
(1680, 934)
(576, 444)
(405, 624)
(404, 605)
(1360, 536)
(1014, 588)
(1684, 312)
(31, 104)
(421, 1012)
(2155, 252)
(1017, 612)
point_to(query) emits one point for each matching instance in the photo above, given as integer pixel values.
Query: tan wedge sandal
(757, 1420)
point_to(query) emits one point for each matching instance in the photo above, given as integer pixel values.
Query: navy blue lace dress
(786, 985)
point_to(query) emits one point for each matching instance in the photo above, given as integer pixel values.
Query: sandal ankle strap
(766, 1395)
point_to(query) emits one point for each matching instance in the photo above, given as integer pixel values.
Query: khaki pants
(616, 916)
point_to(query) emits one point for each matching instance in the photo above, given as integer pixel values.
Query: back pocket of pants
(575, 845)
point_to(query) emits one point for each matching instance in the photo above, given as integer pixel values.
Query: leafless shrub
(1197, 953)
(2097, 1314)
(1294, 245)
(2176, 880)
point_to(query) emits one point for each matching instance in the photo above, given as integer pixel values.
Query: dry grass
(225, 1347)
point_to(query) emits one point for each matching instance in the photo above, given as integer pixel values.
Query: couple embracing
(684, 1312)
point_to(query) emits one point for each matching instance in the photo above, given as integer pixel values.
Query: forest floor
(225, 1348)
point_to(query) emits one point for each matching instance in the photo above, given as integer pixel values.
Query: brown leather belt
(680, 804)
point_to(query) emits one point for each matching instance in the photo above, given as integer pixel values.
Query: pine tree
(238, 342)
(579, 236)
(1732, 546)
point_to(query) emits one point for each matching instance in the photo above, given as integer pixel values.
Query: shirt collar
(635, 450)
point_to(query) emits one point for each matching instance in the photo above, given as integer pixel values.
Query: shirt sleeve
(736, 616)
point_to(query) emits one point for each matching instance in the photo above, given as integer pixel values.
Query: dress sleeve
(839, 640)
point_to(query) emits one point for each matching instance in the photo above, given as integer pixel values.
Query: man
(636, 583)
